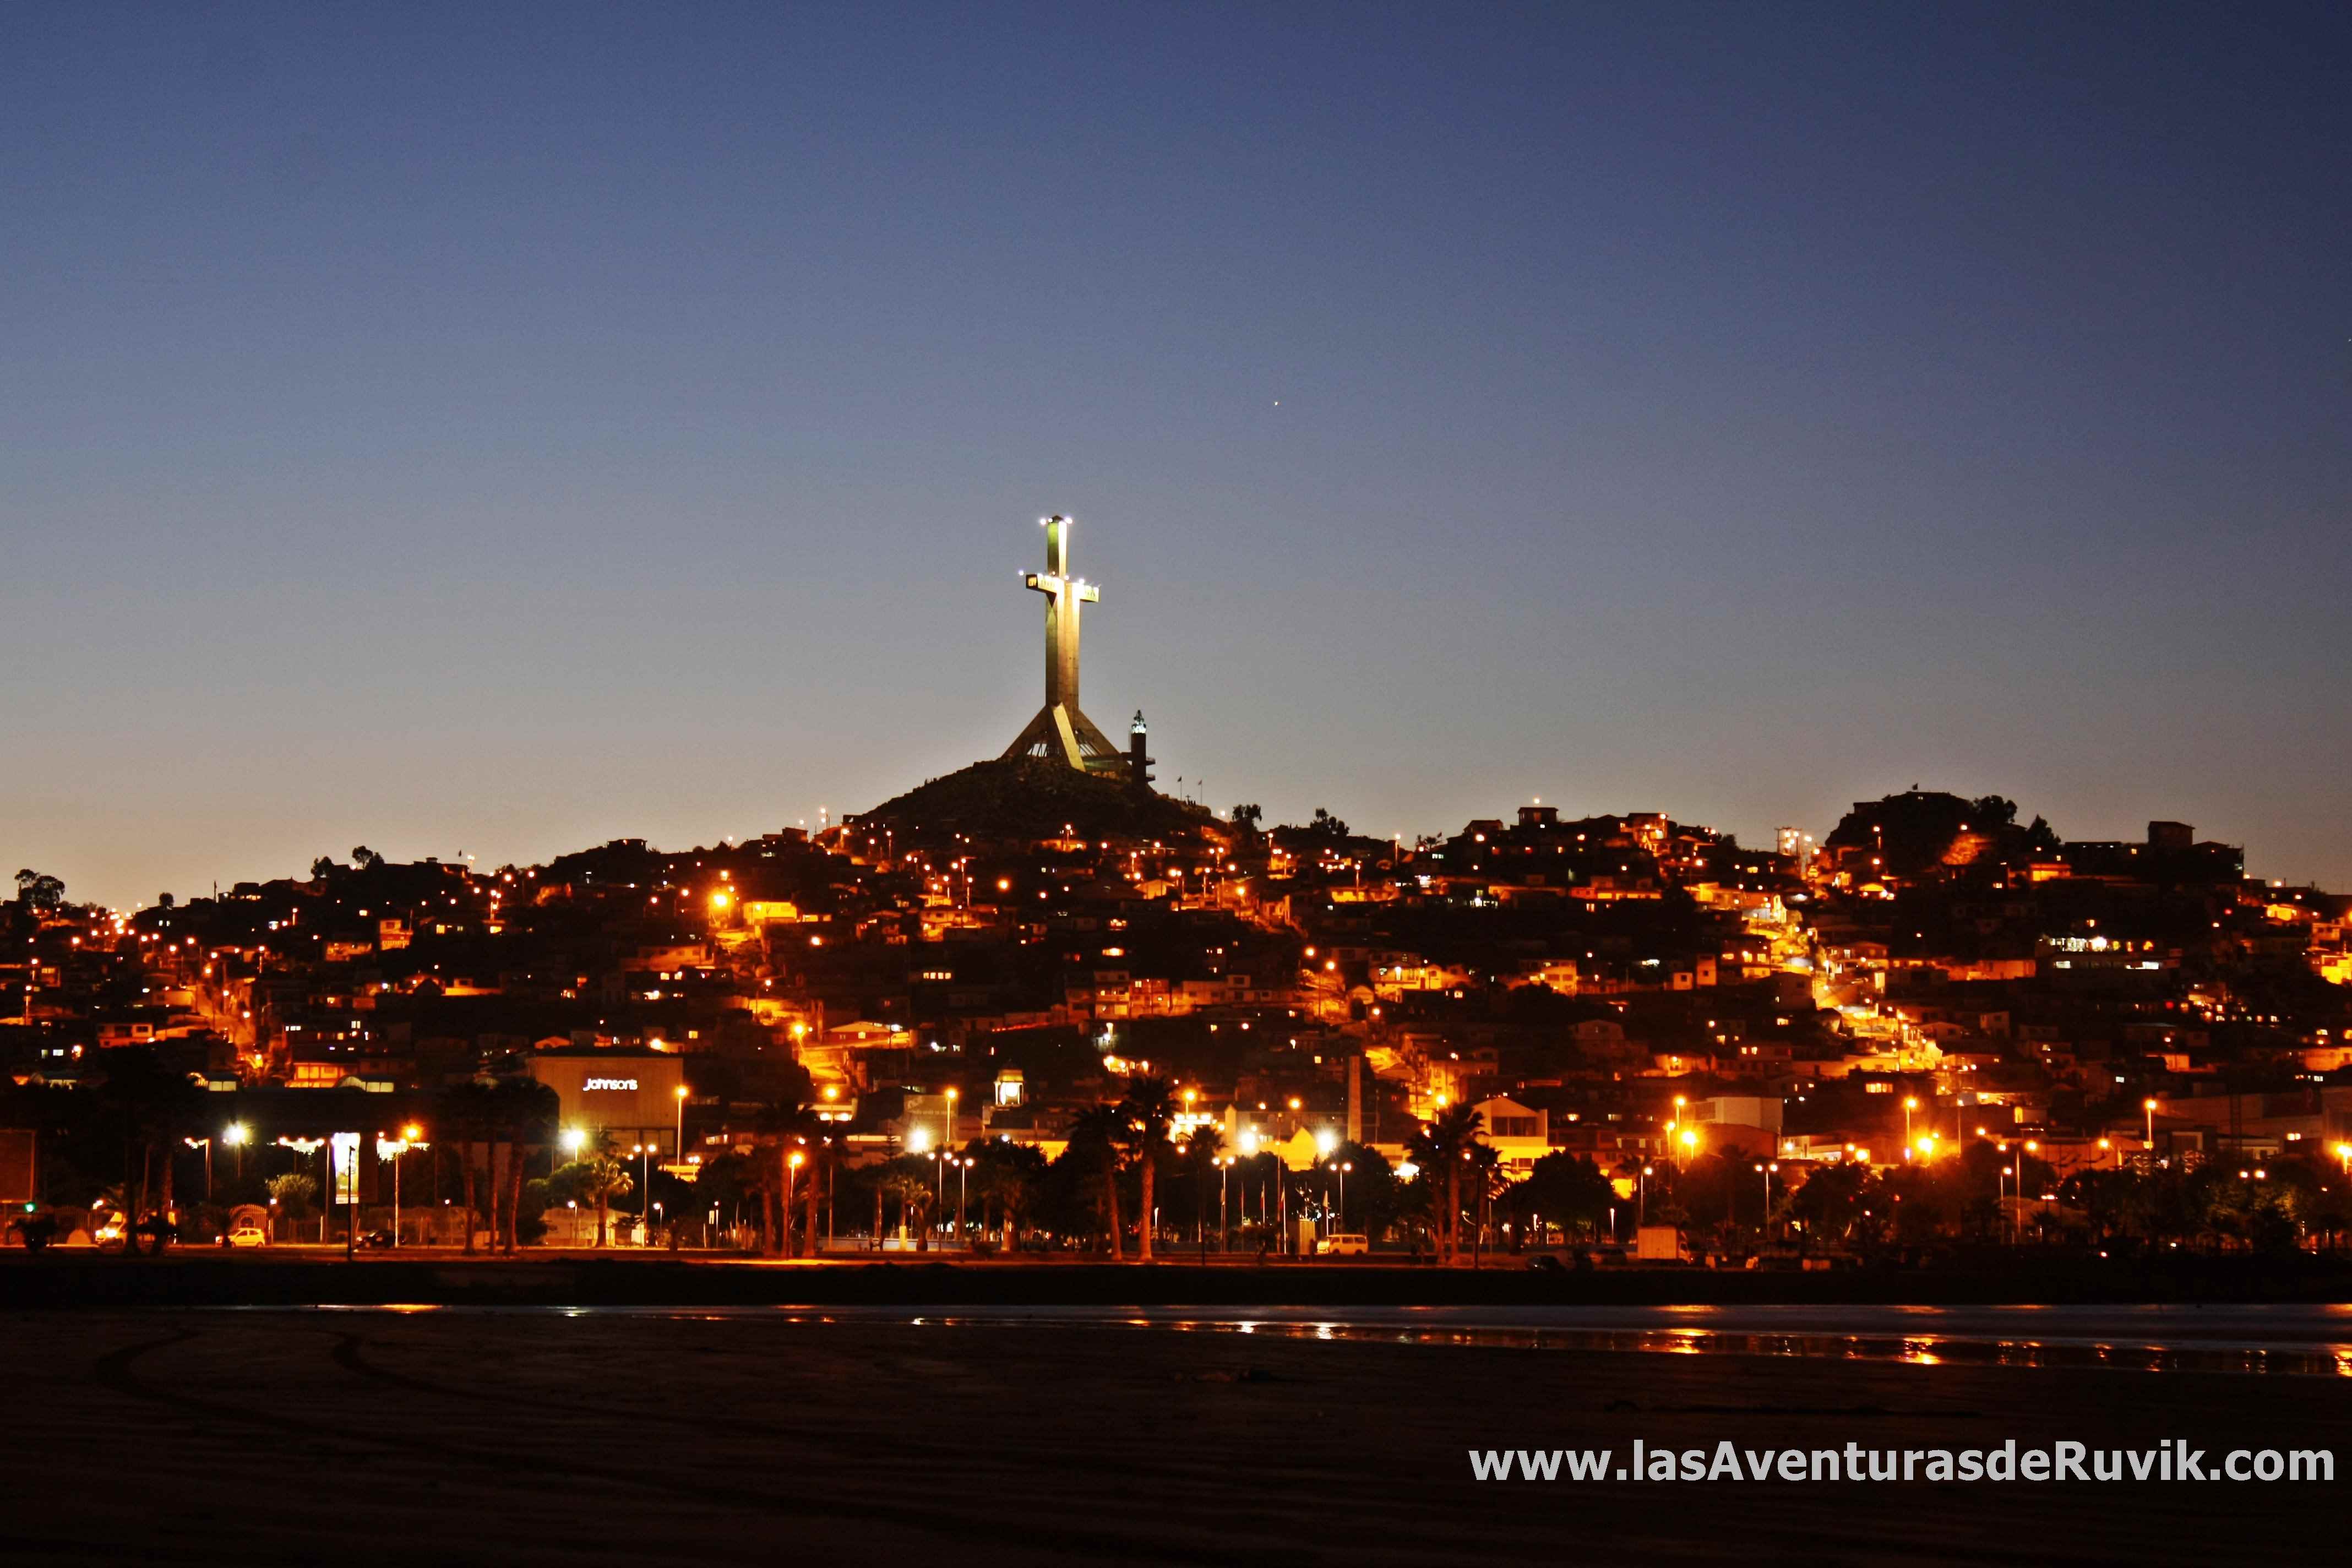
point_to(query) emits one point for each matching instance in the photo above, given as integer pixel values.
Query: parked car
(1546, 1263)
(35, 1230)
(246, 1234)
(1343, 1247)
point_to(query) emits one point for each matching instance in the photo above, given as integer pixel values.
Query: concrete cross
(1063, 598)
(1061, 728)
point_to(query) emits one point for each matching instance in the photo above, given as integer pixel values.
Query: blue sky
(504, 429)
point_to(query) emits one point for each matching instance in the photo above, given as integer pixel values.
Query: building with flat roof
(621, 1097)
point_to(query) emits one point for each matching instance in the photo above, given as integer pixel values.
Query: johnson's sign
(629, 1083)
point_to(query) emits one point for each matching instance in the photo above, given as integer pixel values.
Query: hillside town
(1033, 1008)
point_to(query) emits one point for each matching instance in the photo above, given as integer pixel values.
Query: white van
(1343, 1247)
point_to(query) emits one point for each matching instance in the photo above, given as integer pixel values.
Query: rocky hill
(1031, 798)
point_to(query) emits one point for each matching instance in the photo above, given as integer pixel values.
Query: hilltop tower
(1139, 766)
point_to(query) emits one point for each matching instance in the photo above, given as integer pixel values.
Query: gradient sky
(501, 429)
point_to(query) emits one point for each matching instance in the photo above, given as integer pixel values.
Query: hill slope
(1027, 797)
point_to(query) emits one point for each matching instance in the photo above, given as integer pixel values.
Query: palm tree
(150, 1107)
(1149, 1108)
(1485, 1163)
(786, 1128)
(293, 1192)
(1443, 1142)
(521, 1113)
(598, 1178)
(1097, 1131)
(463, 1115)
(822, 1153)
(909, 1180)
(1008, 1176)
(1201, 1149)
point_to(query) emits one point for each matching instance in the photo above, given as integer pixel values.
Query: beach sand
(169, 1436)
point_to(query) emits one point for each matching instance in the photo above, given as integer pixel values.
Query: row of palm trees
(1130, 1131)
(796, 1154)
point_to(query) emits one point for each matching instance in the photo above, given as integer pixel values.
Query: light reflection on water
(2293, 1341)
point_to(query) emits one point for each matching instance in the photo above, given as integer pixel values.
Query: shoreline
(189, 1278)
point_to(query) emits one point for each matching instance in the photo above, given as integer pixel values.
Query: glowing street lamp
(1343, 1167)
(237, 1135)
(207, 1143)
(391, 1149)
(1910, 1104)
(1225, 1227)
(645, 1153)
(791, 1165)
(2147, 1109)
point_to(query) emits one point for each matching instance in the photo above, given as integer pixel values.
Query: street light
(645, 1153)
(1343, 1167)
(791, 1163)
(391, 1149)
(963, 1191)
(1910, 1104)
(2147, 1107)
(1642, 1198)
(575, 1139)
(237, 1135)
(942, 1157)
(207, 1142)
(677, 1148)
(1225, 1227)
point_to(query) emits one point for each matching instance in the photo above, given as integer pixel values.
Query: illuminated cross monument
(1060, 729)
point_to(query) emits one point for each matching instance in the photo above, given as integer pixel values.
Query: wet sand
(291, 1278)
(180, 1436)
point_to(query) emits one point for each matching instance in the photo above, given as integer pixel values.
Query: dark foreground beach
(533, 1436)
